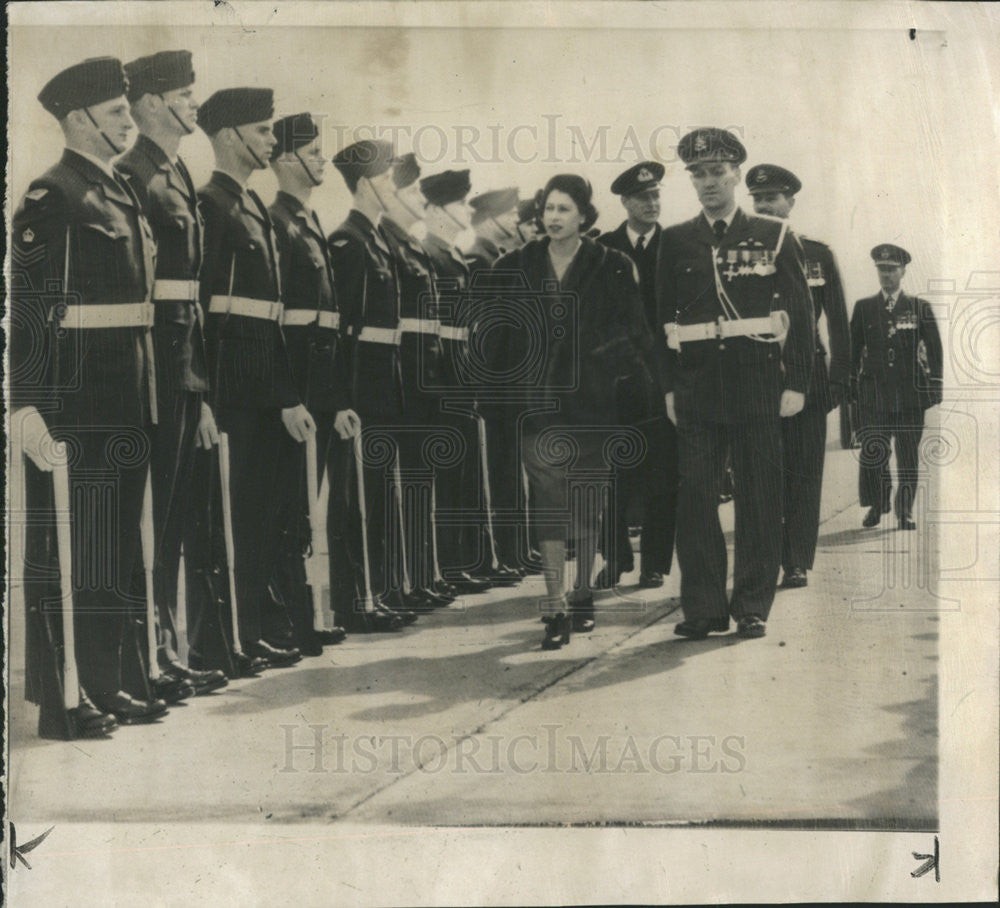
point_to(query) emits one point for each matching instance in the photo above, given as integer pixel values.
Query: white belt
(306, 317)
(420, 325)
(775, 324)
(379, 335)
(248, 308)
(176, 290)
(454, 333)
(108, 315)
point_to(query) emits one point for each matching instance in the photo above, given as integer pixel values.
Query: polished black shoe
(751, 626)
(331, 636)
(133, 712)
(395, 603)
(443, 588)
(582, 612)
(794, 579)
(246, 666)
(87, 721)
(501, 575)
(700, 628)
(872, 518)
(557, 631)
(171, 689)
(204, 681)
(532, 563)
(650, 580)
(434, 600)
(273, 655)
(381, 619)
(905, 523)
(467, 585)
(414, 601)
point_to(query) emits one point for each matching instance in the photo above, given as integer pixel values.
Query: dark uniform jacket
(169, 200)
(248, 363)
(368, 295)
(79, 238)
(415, 273)
(571, 344)
(897, 356)
(828, 387)
(307, 283)
(630, 393)
(481, 255)
(452, 283)
(646, 263)
(738, 379)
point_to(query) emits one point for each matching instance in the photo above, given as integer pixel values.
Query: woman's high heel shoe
(557, 631)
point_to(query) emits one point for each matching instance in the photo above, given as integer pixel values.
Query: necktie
(640, 244)
(719, 228)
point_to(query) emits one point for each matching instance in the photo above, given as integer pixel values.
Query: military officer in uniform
(310, 324)
(466, 548)
(82, 370)
(528, 225)
(420, 362)
(494, 218)
(730, 288)
(162, 104)
(773, 190)
(368, 296)
(255, 398)
(897, 361)
(653, 483)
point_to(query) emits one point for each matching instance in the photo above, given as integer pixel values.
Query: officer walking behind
(82, 369)
(366, 559)
(310, 324)
(494, 219)
(803, 436)
(729, 287)
(898, 363)
(652, 484)
(466, 547)
(162, 105)
(420, 363)
(256, 401)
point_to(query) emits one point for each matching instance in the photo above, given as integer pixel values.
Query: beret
(772, 178)
(492, 204)
(711, 144)
(367, 158)
(235, 107)
(405, 170)
(447, 187)
(293, 132)
(638, 178)
(93, 81)
(158, 73)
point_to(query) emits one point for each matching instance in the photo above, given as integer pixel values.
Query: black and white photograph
(501, 453)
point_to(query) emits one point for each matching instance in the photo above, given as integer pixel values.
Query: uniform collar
(728, 218)
(633, 237)
(103, 166)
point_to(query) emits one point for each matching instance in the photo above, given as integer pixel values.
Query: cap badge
(700, 144)
(761, 176)
(644, 176)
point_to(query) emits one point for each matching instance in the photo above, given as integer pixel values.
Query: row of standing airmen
(281, 342)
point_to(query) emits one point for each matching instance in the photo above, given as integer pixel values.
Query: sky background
(894, 139)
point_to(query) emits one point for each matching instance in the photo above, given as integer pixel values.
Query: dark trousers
(902, 429)
(701, 546)
(803, 439)
(464, 542)
(254, 444)
(416, 493)
(107, 476)
(651, 488)
(172, 465)
(379, 447)
(506, 488)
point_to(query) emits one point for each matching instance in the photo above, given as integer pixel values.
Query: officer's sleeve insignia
(28, 236)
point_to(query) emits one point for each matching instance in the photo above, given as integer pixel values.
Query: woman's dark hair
(578, 189)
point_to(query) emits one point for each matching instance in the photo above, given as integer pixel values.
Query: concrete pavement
(829, 721)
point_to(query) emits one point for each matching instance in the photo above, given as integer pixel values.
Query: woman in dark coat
(565, 324)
